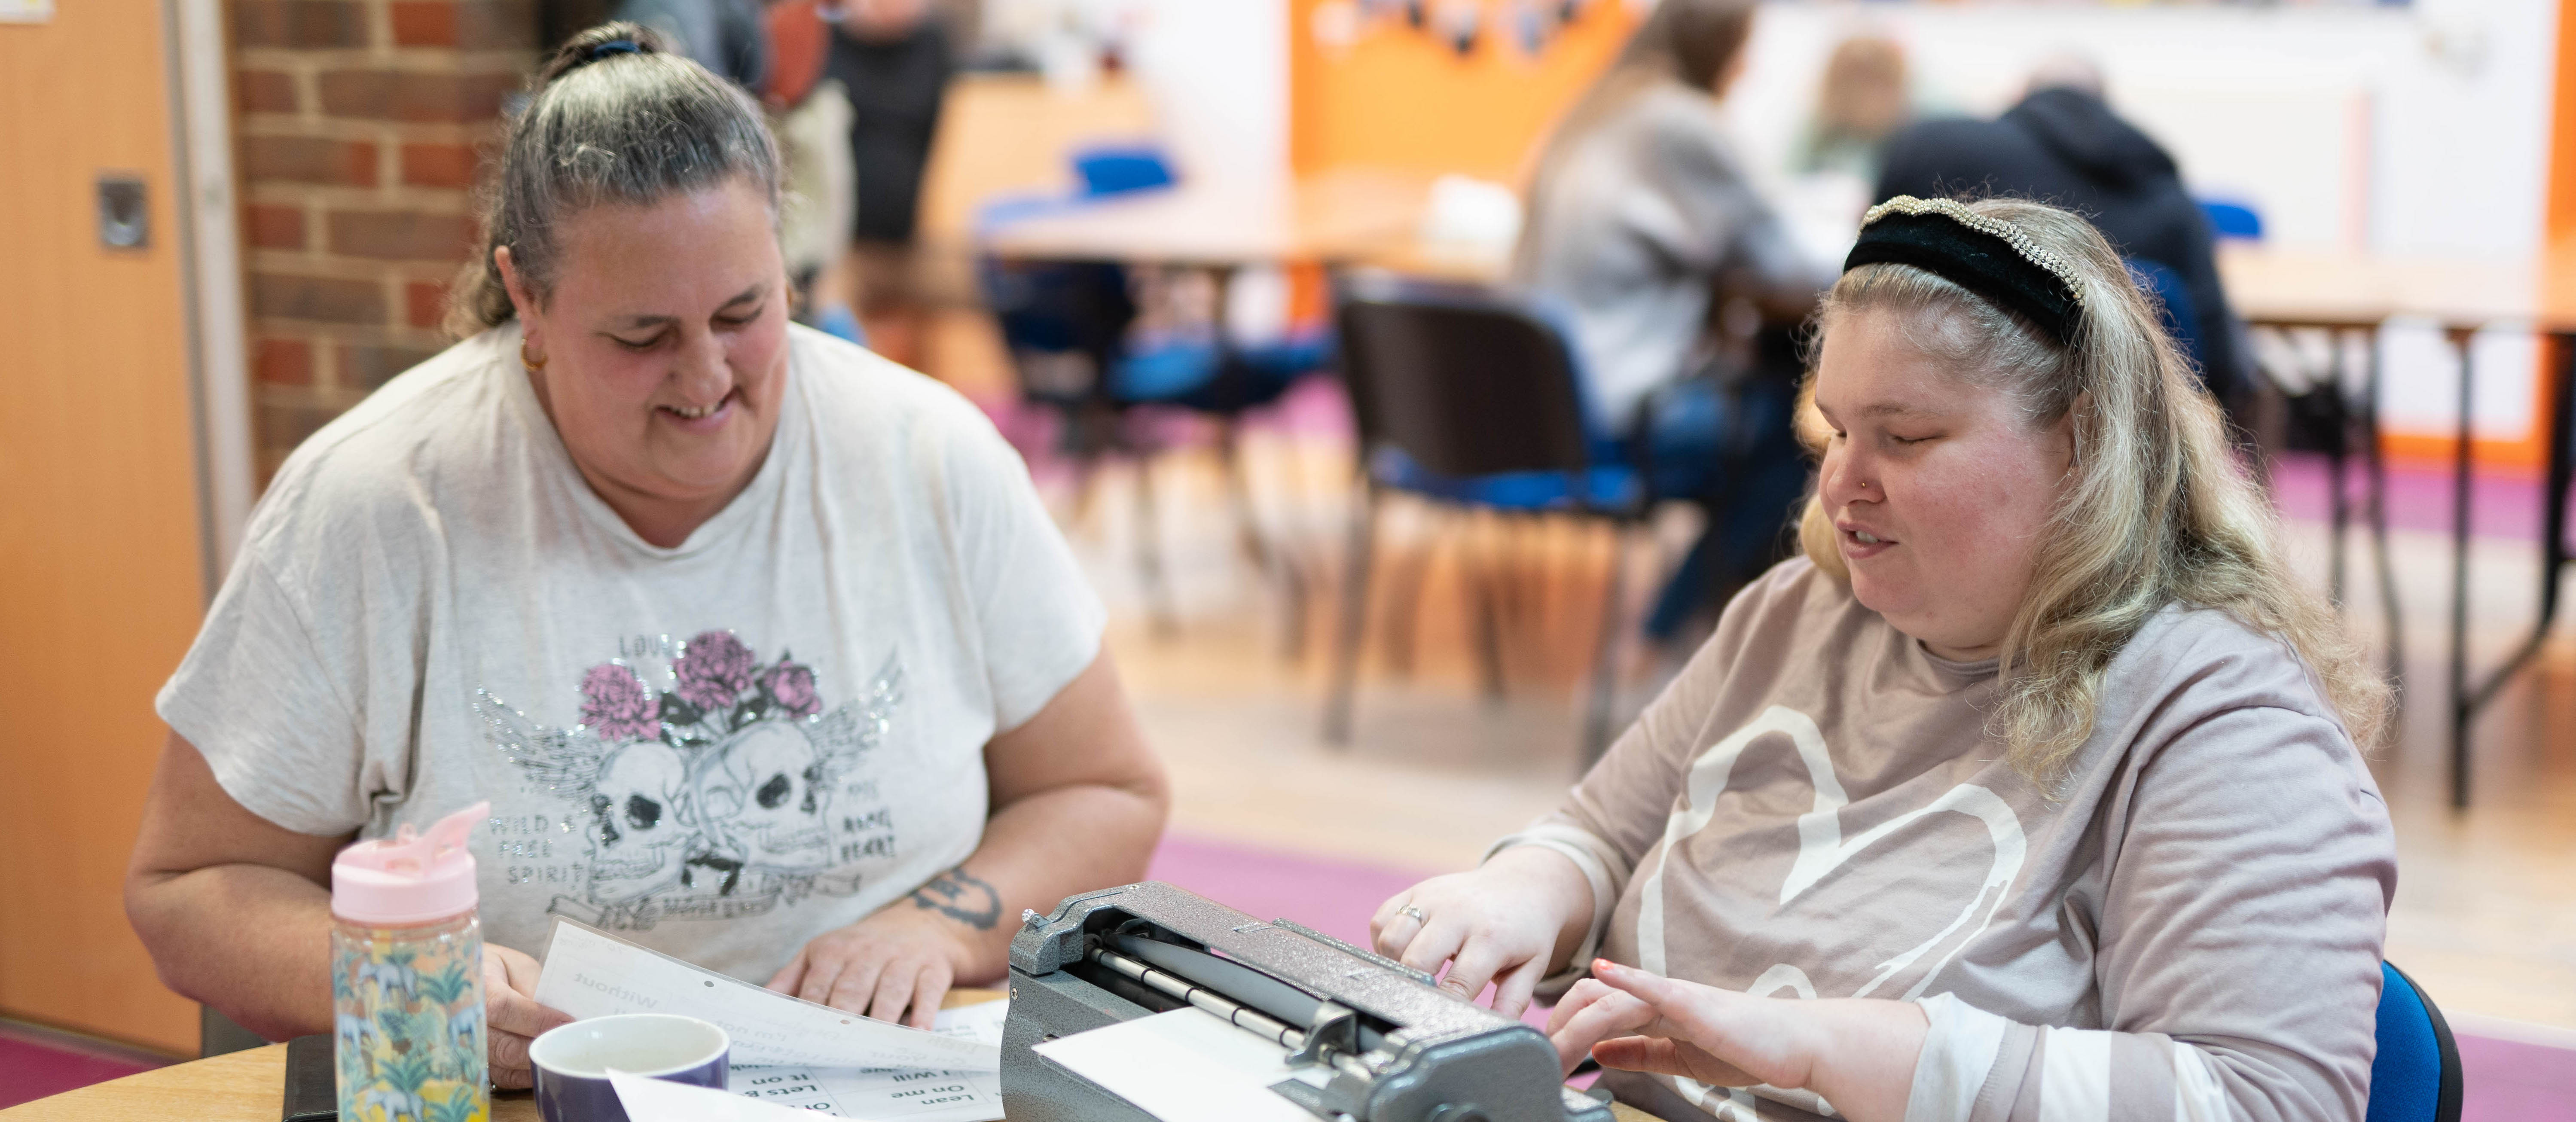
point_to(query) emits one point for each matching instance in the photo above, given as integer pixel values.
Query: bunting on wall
(1462, 26)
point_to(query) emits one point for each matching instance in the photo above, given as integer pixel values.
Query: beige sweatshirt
(2189, 929)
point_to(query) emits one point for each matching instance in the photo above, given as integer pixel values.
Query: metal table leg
(2338, 492)
(2376, 465)
(2461, 706)
(2553, 549)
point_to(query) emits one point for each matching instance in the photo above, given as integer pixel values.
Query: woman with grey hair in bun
(762, 648)
(2033, 790)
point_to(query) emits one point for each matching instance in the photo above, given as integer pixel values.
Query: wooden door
(100, 573)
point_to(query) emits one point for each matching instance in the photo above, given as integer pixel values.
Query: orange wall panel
(1401, 98)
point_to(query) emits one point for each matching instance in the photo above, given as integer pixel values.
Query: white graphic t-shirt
(2187, 927)
(719, 750)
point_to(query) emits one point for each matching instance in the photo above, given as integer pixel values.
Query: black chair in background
(1474, 401)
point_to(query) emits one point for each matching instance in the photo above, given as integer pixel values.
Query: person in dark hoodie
(2063, 145)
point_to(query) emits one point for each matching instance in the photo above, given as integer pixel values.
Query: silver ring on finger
(1415, 912)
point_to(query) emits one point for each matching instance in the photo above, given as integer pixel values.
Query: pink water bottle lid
(411, 877)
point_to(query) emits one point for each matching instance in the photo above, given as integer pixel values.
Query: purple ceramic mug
(572, 1061)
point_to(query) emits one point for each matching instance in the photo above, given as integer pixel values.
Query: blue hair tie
(612, 47)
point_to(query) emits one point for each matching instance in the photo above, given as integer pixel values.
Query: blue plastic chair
(2233, 220)
(2416, 1075)
(1115, 169)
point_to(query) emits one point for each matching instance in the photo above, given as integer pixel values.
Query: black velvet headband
(1987, 256)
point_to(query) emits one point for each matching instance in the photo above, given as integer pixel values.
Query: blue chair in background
(2416, 1075)
(2233, 219)
(1114, 169)
(1072, 331)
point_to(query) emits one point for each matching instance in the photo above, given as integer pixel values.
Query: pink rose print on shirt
(616, 705)
(714, 670)
(790, 687)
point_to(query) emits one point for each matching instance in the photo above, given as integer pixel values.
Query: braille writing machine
(1365, 1038)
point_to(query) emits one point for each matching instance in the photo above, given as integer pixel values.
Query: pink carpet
(2511, 1080)
(34, 1064)
(2501, 504)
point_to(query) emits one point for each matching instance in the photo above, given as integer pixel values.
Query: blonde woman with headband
(2036, 781)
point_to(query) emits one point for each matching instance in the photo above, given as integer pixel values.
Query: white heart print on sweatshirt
(1821, 850)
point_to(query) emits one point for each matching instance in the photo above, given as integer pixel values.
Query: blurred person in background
(1861, 102)
(894, 59)
(2063, 145)
(1643, 222)
(811, 116)
(728, 37)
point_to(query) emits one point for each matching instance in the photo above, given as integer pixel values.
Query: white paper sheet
(656, 1100)
(908, 1094)
(1183, 1066)
(877, 1094)
(590, 973)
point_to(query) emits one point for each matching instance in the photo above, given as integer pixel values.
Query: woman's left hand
(902, 958)
(1636, 1021)
(1860, 1054)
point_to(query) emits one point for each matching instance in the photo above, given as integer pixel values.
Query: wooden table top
(2360, 289)
(1333, 216)
(250, 1086)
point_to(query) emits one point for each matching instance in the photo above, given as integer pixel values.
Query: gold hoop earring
(534, 365)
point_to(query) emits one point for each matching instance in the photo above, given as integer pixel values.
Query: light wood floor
(2485, 914)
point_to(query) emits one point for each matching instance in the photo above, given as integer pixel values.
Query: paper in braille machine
(1373, 1040)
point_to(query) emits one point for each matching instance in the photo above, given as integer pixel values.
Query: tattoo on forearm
(961, 897)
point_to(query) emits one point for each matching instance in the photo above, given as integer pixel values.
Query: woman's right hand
(1510, 921)
(511, 1016)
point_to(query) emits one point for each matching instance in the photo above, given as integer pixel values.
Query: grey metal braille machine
(1374, 1040)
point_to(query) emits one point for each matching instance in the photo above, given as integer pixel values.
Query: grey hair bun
(614, 116)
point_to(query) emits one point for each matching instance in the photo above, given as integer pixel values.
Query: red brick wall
(359, 123)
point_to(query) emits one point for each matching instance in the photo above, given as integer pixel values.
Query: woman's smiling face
(1938, 490)
(664, 351)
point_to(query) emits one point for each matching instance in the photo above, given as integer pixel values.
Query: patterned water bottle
(407, 977)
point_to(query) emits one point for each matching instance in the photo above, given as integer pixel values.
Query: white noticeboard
(26, 11)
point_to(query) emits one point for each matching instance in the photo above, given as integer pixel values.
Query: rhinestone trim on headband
(2010, 234)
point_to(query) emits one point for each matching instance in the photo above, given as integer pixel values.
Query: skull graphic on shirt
(641, 820)
(766, 791)
(696, 804)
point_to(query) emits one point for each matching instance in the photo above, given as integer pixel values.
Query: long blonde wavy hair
(2158, 509)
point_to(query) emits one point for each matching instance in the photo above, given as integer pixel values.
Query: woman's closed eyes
(659, 337)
